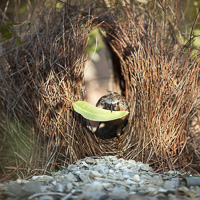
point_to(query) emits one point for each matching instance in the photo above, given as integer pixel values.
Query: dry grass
(37, 81)
(160, 83)
(40, 131)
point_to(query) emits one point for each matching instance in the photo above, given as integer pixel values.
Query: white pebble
(70, 177)
(46, 197)
(130, 182)
(94, 186)
(58, 188)
(118, 165)
(111, 171)
(94, 174)
(69, 186)
(136, 178)
(108, 185)
(90, 161)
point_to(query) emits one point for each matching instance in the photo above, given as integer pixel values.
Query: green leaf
(18, 41)
(5, 32)
(197, 38)
(93, 113)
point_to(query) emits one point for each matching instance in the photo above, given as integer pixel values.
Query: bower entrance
(101, 76)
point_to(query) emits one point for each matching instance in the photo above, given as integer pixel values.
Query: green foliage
(197, 38)
(53, 4)
(195, 42)
(5, 32)
(93, 113)
(18, 41)
(95, 42)
(61, 169)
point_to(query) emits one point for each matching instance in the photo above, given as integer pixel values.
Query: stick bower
(40, 130)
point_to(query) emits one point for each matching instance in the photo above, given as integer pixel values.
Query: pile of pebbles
(102, 178)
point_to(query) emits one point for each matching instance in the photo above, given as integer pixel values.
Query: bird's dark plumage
(118, 102)
(114, 102)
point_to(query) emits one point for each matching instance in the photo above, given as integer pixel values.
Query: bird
(114, 102)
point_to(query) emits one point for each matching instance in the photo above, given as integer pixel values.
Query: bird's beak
(111, 107)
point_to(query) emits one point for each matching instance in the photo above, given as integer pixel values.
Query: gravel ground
(104, 178)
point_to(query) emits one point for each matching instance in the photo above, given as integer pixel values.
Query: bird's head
(111, 104)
